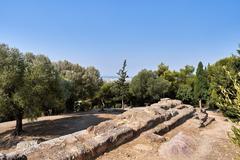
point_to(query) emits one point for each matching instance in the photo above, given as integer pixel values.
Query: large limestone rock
(167, 103)
(95, 140)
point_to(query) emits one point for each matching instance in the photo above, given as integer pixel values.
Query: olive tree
(29, 85)
(11, 82)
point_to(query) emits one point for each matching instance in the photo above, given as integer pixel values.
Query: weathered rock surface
(152, 137)
(180, 146)
(26, 144)
(178, 119)
(167, 103)
(202, 118)
(95, 140)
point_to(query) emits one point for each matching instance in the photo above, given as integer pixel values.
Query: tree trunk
(103, 105)
(18, 129)
(122, 104)
(200, 105)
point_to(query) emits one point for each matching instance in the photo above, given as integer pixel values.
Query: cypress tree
(200, 85)
(121, 82)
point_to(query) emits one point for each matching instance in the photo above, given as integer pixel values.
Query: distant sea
(113, 78)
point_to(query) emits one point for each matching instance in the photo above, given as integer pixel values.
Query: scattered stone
(202, 116)
(202, 119)
(208, 121)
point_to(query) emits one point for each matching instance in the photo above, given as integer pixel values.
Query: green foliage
(157, 88)
(84, 105)
(31, 85)
(177, 79)
(82, 84)
(217, 76)
(201, 84)
(162, 70)
(106, 95)
(229, 98)
(185, 93)
(44, 86)
(11, 82)
(185, 84)
(139, 85)
(146, 87)
(171, 76)
(121, 82)
(229, 103)
(11, 78)
(235, 137)
(91, 82)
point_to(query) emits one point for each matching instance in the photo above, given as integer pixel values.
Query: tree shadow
(48, 129)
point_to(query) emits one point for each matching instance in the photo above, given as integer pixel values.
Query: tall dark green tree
(201, 85)
(122, 82)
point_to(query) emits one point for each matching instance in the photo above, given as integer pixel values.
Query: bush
(236, 135)
(185, 93)
(118, 105)
(229, 102)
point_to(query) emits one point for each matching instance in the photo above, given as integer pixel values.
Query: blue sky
(102, 33)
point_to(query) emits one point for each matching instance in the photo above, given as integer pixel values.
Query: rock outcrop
(156, 119)
(179, 147)
(202, 118)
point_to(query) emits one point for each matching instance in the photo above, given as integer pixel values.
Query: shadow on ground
(49, 129)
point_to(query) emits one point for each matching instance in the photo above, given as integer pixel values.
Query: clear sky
(103, 33)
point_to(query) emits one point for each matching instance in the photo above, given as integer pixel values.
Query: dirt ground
(48, 127)
(211, 143)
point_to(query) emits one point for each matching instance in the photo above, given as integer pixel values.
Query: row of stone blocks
(96, 140)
